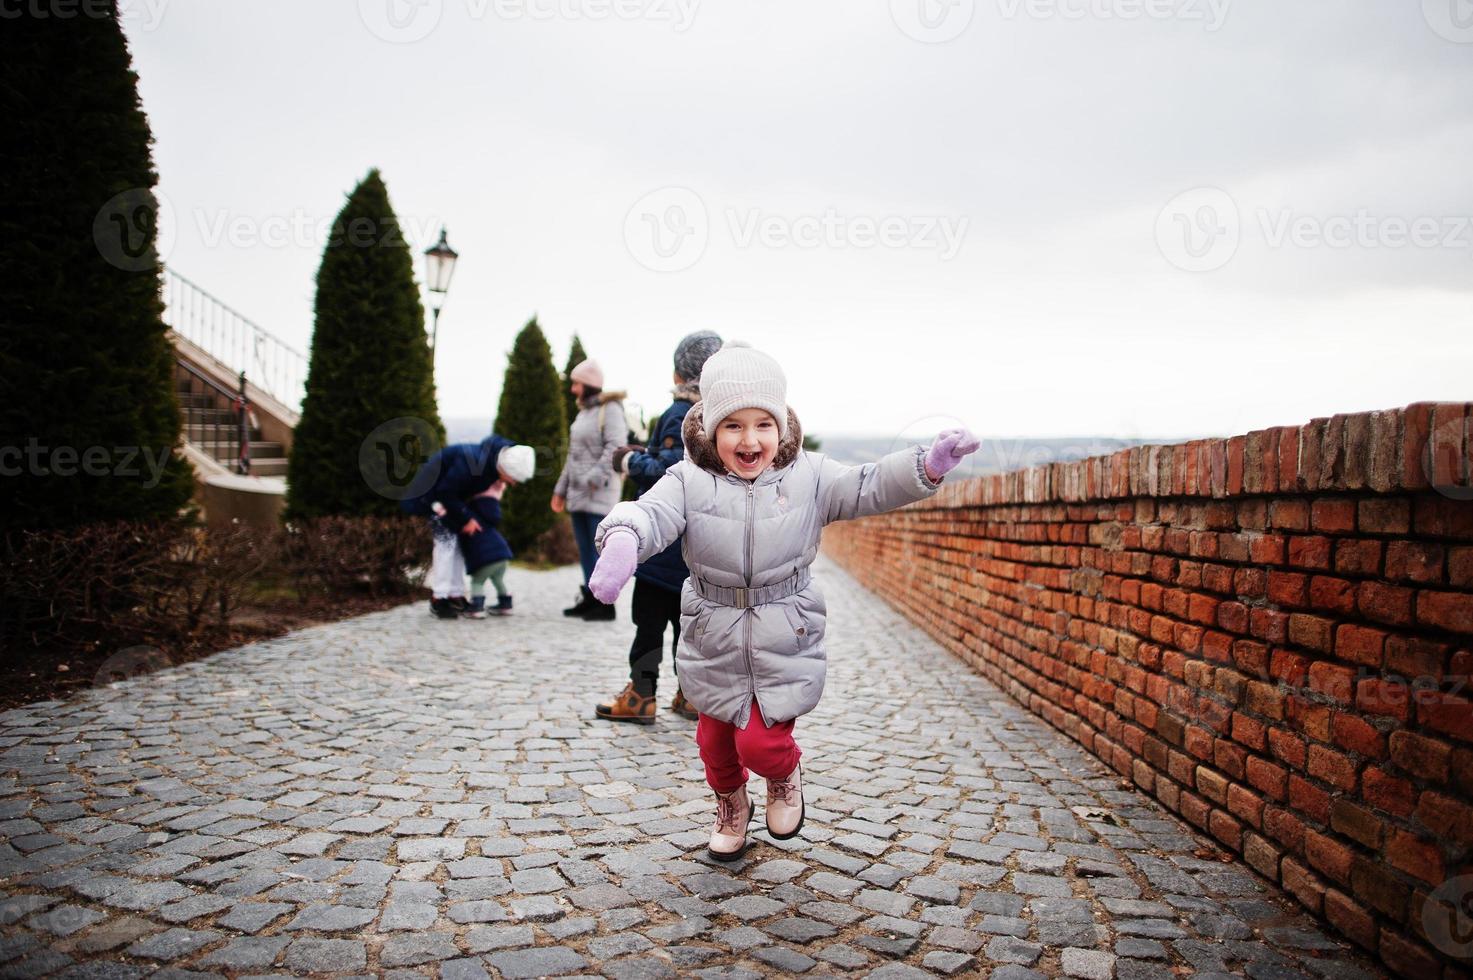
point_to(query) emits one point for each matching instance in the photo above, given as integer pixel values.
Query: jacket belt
(746, 598)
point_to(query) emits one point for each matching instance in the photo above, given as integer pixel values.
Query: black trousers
(653, 608)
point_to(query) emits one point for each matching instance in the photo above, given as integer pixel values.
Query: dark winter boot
(584, 602)
(443, 609)
(503, 606)
(599, 611)
(459, 604)
(477, 609)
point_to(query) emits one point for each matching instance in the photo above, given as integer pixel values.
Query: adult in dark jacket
(657, 582)
(451, 477)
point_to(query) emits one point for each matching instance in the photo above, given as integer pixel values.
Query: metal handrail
(237, 431)
(234, 340)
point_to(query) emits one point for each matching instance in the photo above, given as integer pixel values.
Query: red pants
(728, 751)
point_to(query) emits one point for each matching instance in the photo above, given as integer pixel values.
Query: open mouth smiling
(748, 460)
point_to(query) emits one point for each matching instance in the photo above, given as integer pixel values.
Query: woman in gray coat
(588, 487)
(751, 504)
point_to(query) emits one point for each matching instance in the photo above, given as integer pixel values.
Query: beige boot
(785, 805)
(729, 835)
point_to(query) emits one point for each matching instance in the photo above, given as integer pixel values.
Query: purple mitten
(615, 564)
(948, 450)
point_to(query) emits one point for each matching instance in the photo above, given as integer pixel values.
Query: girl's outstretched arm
(657, 518)
(903, 477)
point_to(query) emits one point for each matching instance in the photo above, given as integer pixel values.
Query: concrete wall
(1271, 634)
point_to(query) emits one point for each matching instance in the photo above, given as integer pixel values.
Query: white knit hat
(739, 376)
(588, 372)
(517, 463)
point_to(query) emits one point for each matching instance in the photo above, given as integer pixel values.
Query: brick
(1447, 818)
(1332, 681)
(1246, 806)
(1415, 561)
(1261, 855)
(1332, 515)
(1446, 713)
(1385, 791)
(1351, 918)
(1335, 768)
(1416, 856)
(1460, 567)
(1358, 556)
(1419, 659)
(1312, 719)
(1357, 823)
(1270, 779)
(1384, 697)
(1287, 746)
(1355, 734)
(1309, 799)
(1289, 515)
(1405, 957)
(1384, 515)
(1226, 829)
(1288, 667)
(1312, 632)
(1264, 699)
(1309, 551)
(1330, 594)
(1416, 427)
(1420, 756)
(1267, 549)
(1231, 759)
(1451, 611)
(1212, 784)
(1378, 887)
(1286, 828)
(1328, 856)
(1303, 884)
(1289, 589)
(1360, 644)
(1249, 731)
(1385, 603)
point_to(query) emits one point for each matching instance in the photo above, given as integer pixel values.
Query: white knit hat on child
(517, 463)
(739, 376)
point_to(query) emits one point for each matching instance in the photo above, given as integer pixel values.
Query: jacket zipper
(747, 613)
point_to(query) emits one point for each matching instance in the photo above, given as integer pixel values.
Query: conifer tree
(531, 412)
(370, 364)
(576, 356)
(87, 390)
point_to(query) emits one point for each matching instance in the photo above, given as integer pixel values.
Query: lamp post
(439, 267)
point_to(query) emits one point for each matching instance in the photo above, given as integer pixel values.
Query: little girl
(751, 504)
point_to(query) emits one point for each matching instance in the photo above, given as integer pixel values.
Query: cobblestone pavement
(397, 795)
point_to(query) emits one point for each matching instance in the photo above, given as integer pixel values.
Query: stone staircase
(212, 426)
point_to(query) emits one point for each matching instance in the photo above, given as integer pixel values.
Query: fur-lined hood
(702, 451)
(603, 398)
(686, 392)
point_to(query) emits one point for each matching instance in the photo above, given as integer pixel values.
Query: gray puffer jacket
(747, 536)
(588, 480)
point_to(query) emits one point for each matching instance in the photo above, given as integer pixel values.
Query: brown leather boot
(682, 707)
(628, 705)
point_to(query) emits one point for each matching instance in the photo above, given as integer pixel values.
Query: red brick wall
(1272, 634)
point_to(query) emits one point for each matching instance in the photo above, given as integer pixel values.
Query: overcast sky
(1136, 218)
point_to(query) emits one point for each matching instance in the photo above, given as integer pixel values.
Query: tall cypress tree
(86, 370)
(370, 362)
(575, 358)
(531, 412)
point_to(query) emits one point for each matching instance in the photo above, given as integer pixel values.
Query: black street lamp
(439, 267)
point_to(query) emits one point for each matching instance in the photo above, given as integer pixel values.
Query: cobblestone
(395, 795)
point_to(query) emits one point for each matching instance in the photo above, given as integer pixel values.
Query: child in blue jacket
(487, 553)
